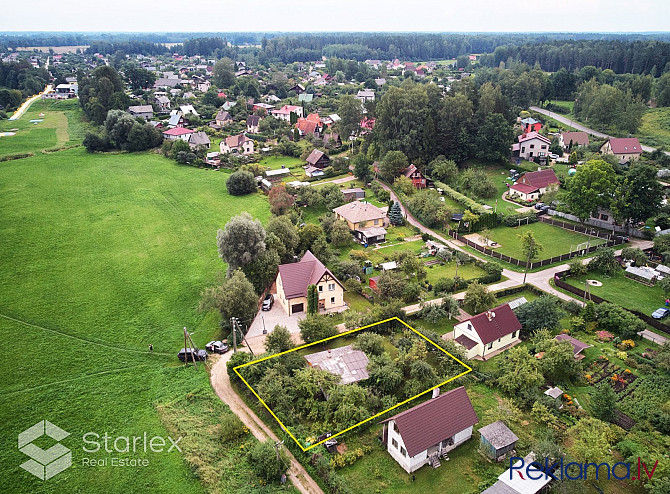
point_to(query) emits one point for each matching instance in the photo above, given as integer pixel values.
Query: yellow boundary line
(236, 369)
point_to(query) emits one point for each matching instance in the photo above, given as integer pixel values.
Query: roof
(466, 342)
(538, 179)
(523, 188)
(495, 323)
(366, 93)
(223, 115)
(177, 131)
(577, 346)
(387, 266)
(353, 191)
(297, 276)
(174, 119)
(642, 273)
(306, 97)
(307, 127)
(199, 139)
(529, 121)
(500, 488)
(253, 120)
(315, 156)
(349, 364)
(411, 169)
(141, 109)
(522, 485)
(513, 304)
(498, 434)
(434, 420)
(533, 135)
(374, 231)
(578, 138)
(286, 109)
(625, 145)
(162, 99)
(277, 172)
(356, 212)
(236, 140)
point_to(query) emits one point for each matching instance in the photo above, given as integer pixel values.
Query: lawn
(61, 126)
(620, 290)
(555, 240)
(498, 176)
(529, 296)
(276, 162)
(655, 129)
(103, 255)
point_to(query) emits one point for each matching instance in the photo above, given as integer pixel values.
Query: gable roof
(199, 139)
(538, 179)
(297, 276)
(495, 323)
(223, 115)
(253, 120)
(578, 138)
(306, 126)
(236, 140)
(533, 135)
(625, 145)
(411, 169)
(498, 434)
(162, 99)
(356, 212)
(177, 131)
(577, 346)
(315, 156)
(523, 188)
(141, 109)
(434, 420)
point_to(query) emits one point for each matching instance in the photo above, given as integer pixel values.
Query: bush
(263, 459)
(353, 286)
(231, 428)
(240, 183)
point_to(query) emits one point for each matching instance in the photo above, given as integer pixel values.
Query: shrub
(231, 428)
(353, 286)
(240, 183)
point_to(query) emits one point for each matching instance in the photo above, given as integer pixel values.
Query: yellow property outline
(469, 369)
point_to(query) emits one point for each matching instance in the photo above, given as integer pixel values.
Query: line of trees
(23, 77)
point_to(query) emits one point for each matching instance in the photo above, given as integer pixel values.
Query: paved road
(221, 384)
(578, 126)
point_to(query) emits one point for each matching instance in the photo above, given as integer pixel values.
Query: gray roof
(554, 392)
(642, 273)
(141, 109)
(498, 434)
(349, 364)
(500, 487)
(199, 139)
(162, 99)
(517, 302)
(277, 172)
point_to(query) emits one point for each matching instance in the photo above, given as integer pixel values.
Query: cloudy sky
(340, 15)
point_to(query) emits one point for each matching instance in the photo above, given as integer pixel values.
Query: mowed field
(61, 126)
(101, 256)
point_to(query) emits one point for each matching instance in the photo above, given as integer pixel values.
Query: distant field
(61, 126)
(102, 255)
(56, 49)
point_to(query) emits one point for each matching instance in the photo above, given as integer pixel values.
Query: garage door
(297, 308)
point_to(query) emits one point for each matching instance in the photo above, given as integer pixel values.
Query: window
(320, 288)
(402, 451)
(532, 146)
(490, 345)
(470, 326)
(395, 427)
(498, 340)
(604, 217)
(523, 149)
(376, 222)
(394, 443)
(544, 146)
(514, 334)
(331, 287)
(332, 300)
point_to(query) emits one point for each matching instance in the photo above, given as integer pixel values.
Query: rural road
(26, 104)
(578, 126)
(222, 386)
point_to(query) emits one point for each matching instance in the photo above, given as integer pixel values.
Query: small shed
(554, 392)
(373, 282)
(353, 194)
(277, 175)
(641, 275)
(496, 440)
(389, 266)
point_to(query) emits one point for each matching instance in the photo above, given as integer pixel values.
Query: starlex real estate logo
(44, 464)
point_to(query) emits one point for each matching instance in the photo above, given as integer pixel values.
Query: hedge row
(470, 204)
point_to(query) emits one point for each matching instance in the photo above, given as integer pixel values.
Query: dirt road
(221, 384)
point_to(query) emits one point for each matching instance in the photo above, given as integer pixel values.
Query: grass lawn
(498, 175)
(61, 126)
(655, 129)
(622, 291)
(102, 255)
(568, 103)
(555, 240)
(530, 296)
(276, 162)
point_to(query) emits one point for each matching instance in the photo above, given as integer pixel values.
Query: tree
(223, 74)
(638, 195)
(605, 261)
(592, 440)
(618, 320)
(315, 328)
(636, 255)
(287, 235)
(443, 169)
(478, 299)
(543, 312)
(349, 110)
(603, 402)
(391, 285)
(312, 300)
(309, 235)
(530, 248)
(280, 200)
(519, 371)
(340, 236)
(393, 163)
(665, 285)
(590, 189)
(558, 363)
(384, 374)
(240, 183)
(577, 267)
(268, 462)
(362, 168)
(278, 340)
(404, 185)
(370, 343)
(450, 304)
(494, 138)
(262, 271)
(432, 313)
(235, 298)
(395, 215)
(241, 241)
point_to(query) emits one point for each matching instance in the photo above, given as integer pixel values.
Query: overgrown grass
(655, 129)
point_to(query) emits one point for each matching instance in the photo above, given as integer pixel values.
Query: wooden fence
(591, 231)
(536, 264)
(558, 281)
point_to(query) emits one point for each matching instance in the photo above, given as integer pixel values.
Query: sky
(340, 15)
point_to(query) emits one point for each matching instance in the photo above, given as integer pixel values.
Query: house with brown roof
(365, 221)
(489, 333)
(199, 140)
(318, 159)
(419, 180)
(222, 119)
(237, 144)
(294, 278)
(569, 140)
(426, 432)
(624, 148)
(530, 186)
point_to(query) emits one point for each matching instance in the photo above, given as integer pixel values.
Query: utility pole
(244, 338)
(232, 323)
(277, 444)
(188, 341)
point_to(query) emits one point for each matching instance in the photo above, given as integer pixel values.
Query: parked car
(661, 313)
(268, 302)
(553, 156)
(539, 205)
(216, 347)
(200, 355)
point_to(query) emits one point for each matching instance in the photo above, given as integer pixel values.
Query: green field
(61, 127)
(655, 129)
(101, 256)
(555, 240)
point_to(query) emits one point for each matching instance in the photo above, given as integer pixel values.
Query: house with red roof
(489, 333)
(425, 433)
(294, 279)
(530, 146)
(310, 125)
(532, 185)
(624, 148)
(284, 113)
(419, 180)
(178, 133)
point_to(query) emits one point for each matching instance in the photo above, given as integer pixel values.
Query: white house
(237, 144)
(488, 333)
(365, 95)
(284, 113)
(426, 432)
(531, 145)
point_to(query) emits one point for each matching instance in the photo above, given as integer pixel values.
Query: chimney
(488, 315)
(436, 392)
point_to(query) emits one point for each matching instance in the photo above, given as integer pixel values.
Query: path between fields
(221, 384)
(26, 104)
(583, 128)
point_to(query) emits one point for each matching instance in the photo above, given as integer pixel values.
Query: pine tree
(395, 215)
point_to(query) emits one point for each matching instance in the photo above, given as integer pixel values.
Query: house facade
(624, 148)
(253, 123)
(237, 144)
(199, 140)
(144, 111)
(418, 179)
(488, 333)
(178, 133)
(222, 118)
(318, 159)
(294, 279)
(426, 432)
(532, 185)
(531, 145)
(531, 125)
